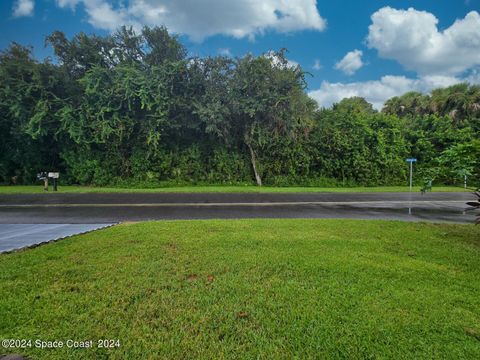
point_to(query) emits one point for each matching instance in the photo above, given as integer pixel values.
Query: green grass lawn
(245, 289)
(30, 189)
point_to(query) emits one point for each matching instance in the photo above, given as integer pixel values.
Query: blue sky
(375, 49)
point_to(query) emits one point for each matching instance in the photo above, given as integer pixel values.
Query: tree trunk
(254, 165)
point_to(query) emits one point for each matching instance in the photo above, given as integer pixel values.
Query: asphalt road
(58, 208)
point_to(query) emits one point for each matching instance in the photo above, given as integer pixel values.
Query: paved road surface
(16, 236)
(33, 219)
(108, 208)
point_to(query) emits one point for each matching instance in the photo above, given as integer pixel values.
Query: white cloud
(378, 91)
(292, 63)
(67, 3)
(317, 65)
(277, 62)
(474, 77)
(412, 38)
(351, 62)
(23, 8)
(201, 19)
(103, 15)
(225, 52)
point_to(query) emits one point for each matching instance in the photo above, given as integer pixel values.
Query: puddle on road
(419, 214)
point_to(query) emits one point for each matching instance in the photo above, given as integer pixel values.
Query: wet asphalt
(58, 208)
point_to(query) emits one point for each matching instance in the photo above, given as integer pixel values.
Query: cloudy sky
(375, 49)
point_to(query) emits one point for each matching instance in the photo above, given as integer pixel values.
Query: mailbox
(44, 175)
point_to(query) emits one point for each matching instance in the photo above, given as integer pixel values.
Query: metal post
(411, 175)
(465, 182)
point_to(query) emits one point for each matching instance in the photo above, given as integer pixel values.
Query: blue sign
(411, 160)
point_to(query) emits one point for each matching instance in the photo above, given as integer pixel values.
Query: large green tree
(31, 93)
(269, 102)
(131, 108)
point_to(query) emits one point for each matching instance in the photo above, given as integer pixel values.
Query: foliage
(366, 147)
(131, 108)
(461, 160)
(427, 186)
(145, 185)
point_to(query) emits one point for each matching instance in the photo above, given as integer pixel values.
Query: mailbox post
(45, 176)
(54, 176)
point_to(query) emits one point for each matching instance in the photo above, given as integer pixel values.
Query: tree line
(133, 109)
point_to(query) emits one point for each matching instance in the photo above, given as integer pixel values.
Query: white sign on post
(53, 175)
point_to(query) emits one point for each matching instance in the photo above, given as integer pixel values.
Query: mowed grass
(38, 189)
(245, 289)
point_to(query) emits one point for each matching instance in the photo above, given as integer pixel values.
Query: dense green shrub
(130, 109)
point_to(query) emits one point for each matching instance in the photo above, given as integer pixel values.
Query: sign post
(54, 176)
(411, 161)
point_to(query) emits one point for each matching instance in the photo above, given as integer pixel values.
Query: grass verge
(32, 189)
(242, 289)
